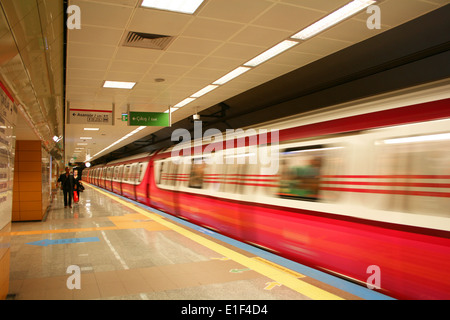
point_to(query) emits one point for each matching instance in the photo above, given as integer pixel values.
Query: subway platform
(107, 248)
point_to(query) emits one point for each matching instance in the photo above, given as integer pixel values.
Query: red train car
(358, 187)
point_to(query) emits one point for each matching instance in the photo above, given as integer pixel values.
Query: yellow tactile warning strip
(130, 221)
(280, 276)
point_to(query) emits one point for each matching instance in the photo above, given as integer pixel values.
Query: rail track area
(108, 247)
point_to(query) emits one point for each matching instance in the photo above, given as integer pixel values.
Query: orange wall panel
(30, 196)
(35, 215)
(27, 191)
(30, 156)
(30, 186)
(30, 176)
(30, 206)
(4, 275)
(28, 145)
(29, 166)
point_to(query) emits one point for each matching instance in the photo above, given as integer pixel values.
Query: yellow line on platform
(34, 232)
(279, 276)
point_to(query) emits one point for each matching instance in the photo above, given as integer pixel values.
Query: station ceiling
(347, 61)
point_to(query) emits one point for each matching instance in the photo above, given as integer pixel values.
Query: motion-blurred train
(362, 191)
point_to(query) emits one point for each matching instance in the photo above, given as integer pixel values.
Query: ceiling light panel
(230, 76)
(204, 91)
(272, 52)
(119, 85)
(184, 102)
(334, 18)
(182, 6)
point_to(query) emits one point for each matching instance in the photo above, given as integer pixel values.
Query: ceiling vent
(147, 40)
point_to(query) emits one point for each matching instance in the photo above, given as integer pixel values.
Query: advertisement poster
(8, 115)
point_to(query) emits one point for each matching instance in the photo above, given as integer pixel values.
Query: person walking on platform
(77, 183)
(67, 186)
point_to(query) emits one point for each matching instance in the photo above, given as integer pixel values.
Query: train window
(133, 172)
(116, 174)
(126, 173)
(120, 173)
(159, 167)
(302, 169)
(197, 172)
(165, 173)
(414, 174)
(172, 175)
(141, 171)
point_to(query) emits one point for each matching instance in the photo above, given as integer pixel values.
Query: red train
(358, 185)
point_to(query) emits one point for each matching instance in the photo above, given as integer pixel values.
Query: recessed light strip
(230, 76)
(183, 103)
(272, 52)
(182, 6)
(119, 85)
(323, 24)
(120, 140)
(204, 91)
(332, 19)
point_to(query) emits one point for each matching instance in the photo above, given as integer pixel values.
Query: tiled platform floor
(135, 258)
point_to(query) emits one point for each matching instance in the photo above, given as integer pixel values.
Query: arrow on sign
(271, 285)
(239, 270)
(221, 259)
(47, 242)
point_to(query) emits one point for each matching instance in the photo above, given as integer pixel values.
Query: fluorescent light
(204, 91)
(269, 54)
(85, 138)
(184, 102)
(427, 138)
(119, 85)
(183, 6)
(172, 110)
(120, 140)
(333, 19)
(233, 74)
(91, 129)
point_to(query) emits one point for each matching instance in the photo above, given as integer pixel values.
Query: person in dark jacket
(67, 183)
(77, 183)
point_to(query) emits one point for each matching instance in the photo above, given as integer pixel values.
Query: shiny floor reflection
(134, 258)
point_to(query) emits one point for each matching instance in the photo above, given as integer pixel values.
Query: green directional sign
(149, 119)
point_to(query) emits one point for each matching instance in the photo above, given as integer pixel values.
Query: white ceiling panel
(221, 36)
(234, 10)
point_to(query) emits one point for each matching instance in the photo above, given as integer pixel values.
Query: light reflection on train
(364, 186)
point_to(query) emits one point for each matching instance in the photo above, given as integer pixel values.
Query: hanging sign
(94, 117)
(149, 119)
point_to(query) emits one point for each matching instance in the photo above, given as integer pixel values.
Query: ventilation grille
(147, 40)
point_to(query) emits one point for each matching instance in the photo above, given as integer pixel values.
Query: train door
(132, 179)
(119, 179)
(172, 177)
(142, 183)
(109, 177)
